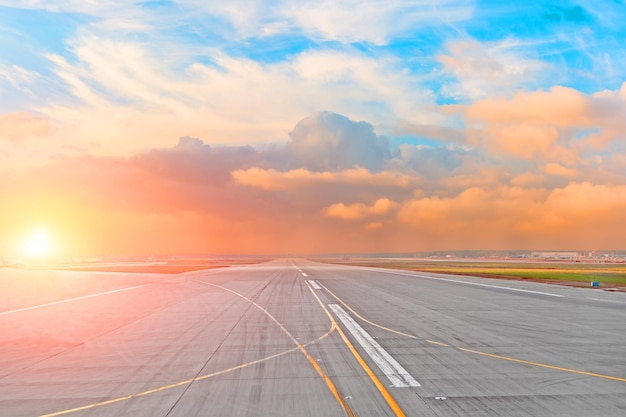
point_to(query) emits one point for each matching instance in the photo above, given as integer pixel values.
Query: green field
(607, 274)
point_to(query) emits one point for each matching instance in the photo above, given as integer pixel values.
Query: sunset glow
(146, 128)
(38, 245)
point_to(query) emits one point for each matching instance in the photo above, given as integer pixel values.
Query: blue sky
(576, 44)
(447, 100)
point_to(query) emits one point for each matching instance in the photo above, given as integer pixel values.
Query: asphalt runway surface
(293, 337)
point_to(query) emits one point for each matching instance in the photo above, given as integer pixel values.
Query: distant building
(558, 255)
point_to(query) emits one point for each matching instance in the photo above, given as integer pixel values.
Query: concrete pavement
(262, 340)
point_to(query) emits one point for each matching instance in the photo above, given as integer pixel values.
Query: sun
(38, 245)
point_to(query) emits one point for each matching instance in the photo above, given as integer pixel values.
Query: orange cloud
(271, 179)
(293, 197)
(589, 203)
(577, 216)
(22, 125)
(527, 179)
(522, 140)
(561, 106)
(473, 175)
(374, 226)
(560, 125)
(359, 211)
(559, 170)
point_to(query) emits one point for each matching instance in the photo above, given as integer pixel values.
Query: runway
(293, 337)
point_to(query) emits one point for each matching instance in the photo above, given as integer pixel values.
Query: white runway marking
(398, 376)
(314, 284)
(304, 274)
(69, 300)
(495, 286)
(475, 283)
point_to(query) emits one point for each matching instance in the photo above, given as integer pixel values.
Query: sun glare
(37, 245)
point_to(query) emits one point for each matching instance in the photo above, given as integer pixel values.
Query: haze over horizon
(157, 127)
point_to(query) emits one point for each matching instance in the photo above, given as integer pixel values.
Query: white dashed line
(314, 284)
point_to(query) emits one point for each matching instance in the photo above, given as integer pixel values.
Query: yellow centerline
(329, 383)
(541, 365)
(299, 346)
(432, 342)
(379, 385)
(302, 349)
(177, 384)
(363, 318)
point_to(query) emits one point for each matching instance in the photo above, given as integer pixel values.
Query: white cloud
(131, 99)
(93, 7)
(374, 21)
(329, 141)
(487, 69)
(18, 77)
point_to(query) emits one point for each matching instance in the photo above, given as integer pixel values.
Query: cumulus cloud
(193, 161)
(335, 185)
(521, 140)
(574, 216)
(327, 148)
(430, 162)
(560, 106)
(559, 126)
(515, 160)
(329, 141)
(476, 214)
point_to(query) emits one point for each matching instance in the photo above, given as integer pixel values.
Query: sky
(262, 127)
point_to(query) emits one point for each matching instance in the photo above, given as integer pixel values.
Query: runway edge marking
(541, 365)
(456, 281)
(70, 300)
